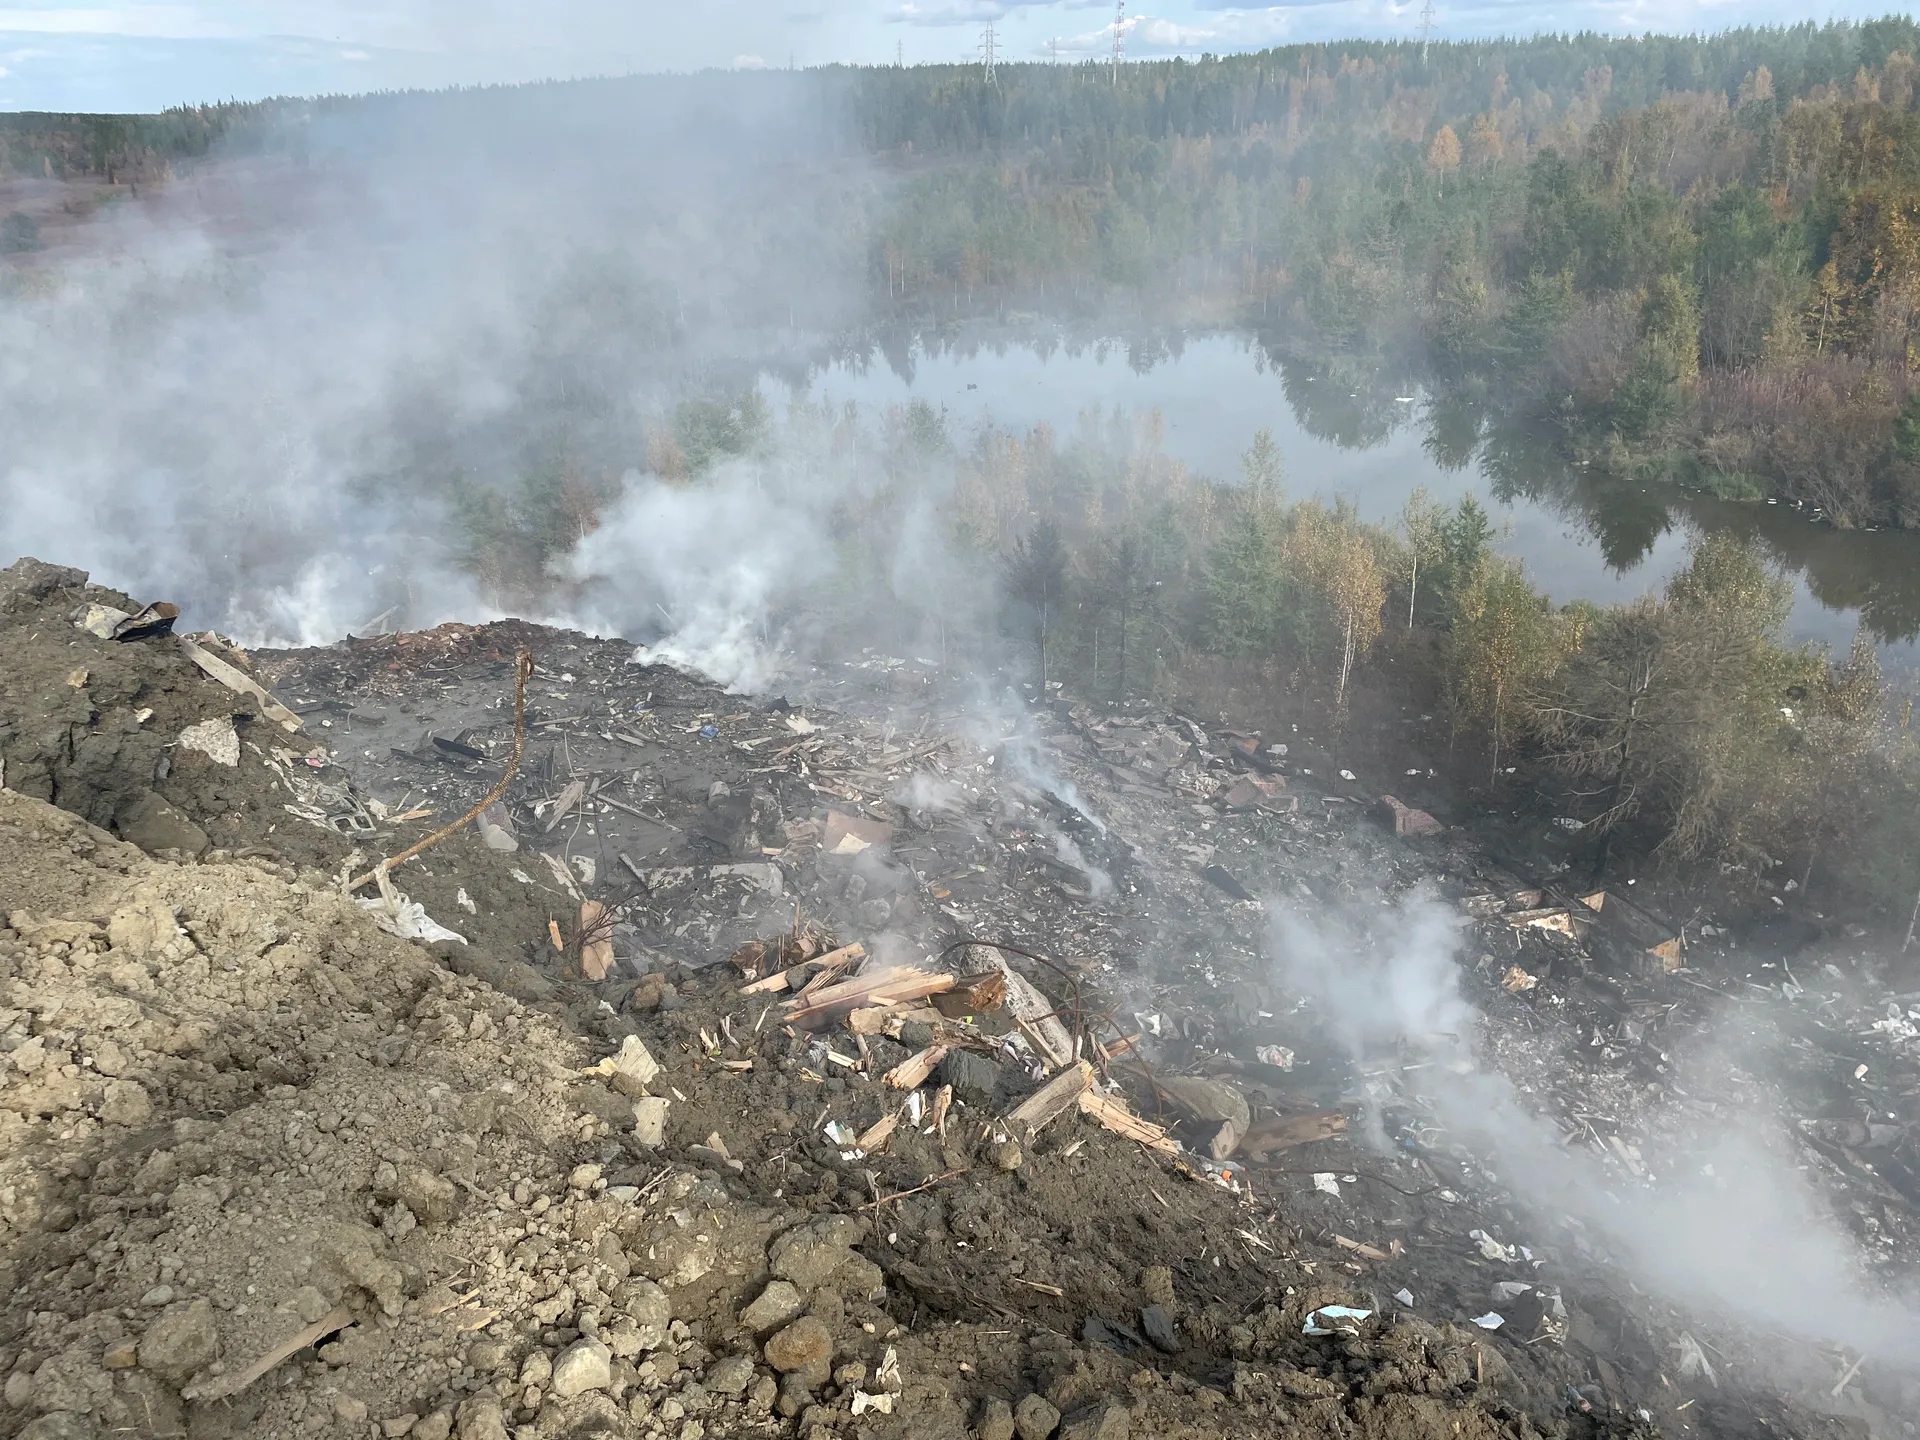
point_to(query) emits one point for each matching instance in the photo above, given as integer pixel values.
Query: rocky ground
(268, 1169)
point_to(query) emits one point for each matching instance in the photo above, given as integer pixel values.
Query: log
(912, 1073)
(1031, 1009)
(895, 985)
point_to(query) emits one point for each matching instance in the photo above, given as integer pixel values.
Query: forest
(1678, 260)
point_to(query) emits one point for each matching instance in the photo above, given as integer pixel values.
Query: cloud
(950, 12)
(748, 62)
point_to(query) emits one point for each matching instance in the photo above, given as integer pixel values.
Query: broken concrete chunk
(495, 824)
(1408, 822)
(730, 1376)
(584, 1365)
(996, 1420)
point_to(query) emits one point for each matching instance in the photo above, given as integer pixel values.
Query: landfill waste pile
(840, 1064)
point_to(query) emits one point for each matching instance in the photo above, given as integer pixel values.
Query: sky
(145, 55)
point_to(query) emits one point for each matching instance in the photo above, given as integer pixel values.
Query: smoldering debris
(977, 1150)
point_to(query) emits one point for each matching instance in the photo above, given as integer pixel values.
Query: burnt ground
(233, 1107)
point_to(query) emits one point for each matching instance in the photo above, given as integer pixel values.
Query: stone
(73, 1381)
(650, 1121)
(809, 1254)
(394, 1426)
(432, 1198)
(730, 1376)
(760, 1395)
(647, 1305)
(780, 1302)
(583, 1177)
(351, 1410)
(61, 1425)
(154, 825)
(126, 1103)
(480, 1419)
(140, 929)
(1034, 1418)
(437, 1426)
(122, 1355)
(584, 1365)
(180, 1341)
(804, 1347)
(536, 1369)
(975, 1078)
(996, 1420)
(1102, 1420)
(1156, 1323)
(1005, 1156)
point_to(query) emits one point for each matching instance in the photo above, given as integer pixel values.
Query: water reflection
(1366, 431)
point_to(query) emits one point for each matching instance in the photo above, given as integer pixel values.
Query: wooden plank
(1051, 1100)
(1113, 1113)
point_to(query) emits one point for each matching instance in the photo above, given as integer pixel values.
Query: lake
(1579, 537)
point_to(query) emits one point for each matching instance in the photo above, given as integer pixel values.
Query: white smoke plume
(1731, 1228)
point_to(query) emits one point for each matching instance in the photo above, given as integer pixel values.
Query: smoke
(1726, 1224)
(379, 355)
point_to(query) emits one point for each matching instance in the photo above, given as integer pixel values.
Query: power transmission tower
(1053, 49)
(1426, 30)
(989, 52)
(899, 54)
(1119, 37)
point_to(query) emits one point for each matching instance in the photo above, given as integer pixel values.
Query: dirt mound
(267, 1170)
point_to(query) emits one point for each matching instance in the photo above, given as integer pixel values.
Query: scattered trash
(216, 739)
(1327, 1319)
(1405, 1297)
(397, 915)
(1569, 824)
(1278, 1056)
(1348, 775)
(1517, 981)
(1492, 1320)
(1492, 1248)
(1506, 1292)
(1326, 1184)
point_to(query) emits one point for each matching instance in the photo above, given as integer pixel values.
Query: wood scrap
(878, 1133)
(1033, 1011)
(596, 940)
(570, 797)
(810, 1010)
(1113, 1113)
(942, 1102)
(973, 995)
(1050, 1101)
(912, 1073)
(1364, 1251)
(219, 1387)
